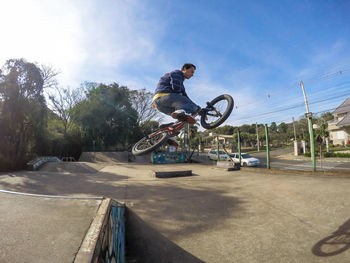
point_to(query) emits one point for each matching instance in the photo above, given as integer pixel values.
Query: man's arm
(176, 82)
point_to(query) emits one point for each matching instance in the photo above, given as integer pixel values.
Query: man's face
(188, 72)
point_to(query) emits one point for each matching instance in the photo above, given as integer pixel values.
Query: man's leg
(172, 102)
(179, 107)
(183, 106)
(180, 102)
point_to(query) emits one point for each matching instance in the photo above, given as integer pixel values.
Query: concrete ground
(214, 215)
(43, 229)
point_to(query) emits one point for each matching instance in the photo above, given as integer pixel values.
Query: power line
(328, 76)
(317, 98)
(337, 70)
(299, 105)
(324, 90)
(331, 98)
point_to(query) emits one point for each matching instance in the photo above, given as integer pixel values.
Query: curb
(296, 172)
(309, 159)
(105, 238)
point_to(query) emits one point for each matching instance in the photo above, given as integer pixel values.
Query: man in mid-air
(170, 96)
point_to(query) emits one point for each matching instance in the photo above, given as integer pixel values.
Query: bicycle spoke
(150, 142)
(216, 112)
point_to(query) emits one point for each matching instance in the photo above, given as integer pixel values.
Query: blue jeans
(174, 101)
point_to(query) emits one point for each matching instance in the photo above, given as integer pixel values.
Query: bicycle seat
(165, 125)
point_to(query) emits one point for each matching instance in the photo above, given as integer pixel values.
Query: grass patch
(329, 154)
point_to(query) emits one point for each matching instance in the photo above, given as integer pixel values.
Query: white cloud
(325, 60)
(46, 32)
(86, 40)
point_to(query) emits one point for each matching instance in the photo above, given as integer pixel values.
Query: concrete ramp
(113, 157)
(141, 159)
(104, 157)
(42, 228)
(71, 167)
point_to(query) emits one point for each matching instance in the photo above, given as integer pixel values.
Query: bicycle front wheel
(149, 144)
(218, 110)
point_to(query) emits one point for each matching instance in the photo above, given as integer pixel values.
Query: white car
(246, 159)
(213, 155)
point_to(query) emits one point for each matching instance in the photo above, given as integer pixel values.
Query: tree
(62, 101)
(48, 75)
(23, 112)
(224, 130)
(327, 116)
(248, 138)
(193, 135)
(282, 127)
(148, 127)
(273, 127)
(141, 101)
(107, 117)
(321, 132)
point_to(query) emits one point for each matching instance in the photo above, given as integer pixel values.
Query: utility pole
(267, 147)
(311, 131)
(295, 134)
(257, 136)
(239, 147)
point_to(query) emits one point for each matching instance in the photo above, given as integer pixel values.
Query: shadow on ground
(336, 243)
(174, 207)
(64, 183)
(145, 244)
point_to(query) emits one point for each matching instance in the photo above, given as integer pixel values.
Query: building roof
(343, 108)
(345, 121)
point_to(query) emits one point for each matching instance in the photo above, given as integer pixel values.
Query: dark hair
(187, 66)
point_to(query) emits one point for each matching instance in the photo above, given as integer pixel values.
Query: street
(280, 159)
(284, 159)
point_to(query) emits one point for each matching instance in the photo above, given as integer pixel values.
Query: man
(170, 96)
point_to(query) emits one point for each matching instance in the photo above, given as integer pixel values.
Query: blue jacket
(171, 83)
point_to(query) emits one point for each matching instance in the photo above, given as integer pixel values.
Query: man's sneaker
(181, 115)
(172, 141)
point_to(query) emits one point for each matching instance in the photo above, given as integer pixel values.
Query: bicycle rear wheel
(149, 144)
(218, 110)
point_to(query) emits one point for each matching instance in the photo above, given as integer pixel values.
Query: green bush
(334, 149)
(335, 154)
(307, 154)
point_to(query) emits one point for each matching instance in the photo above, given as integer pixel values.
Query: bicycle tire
(160, 138)
(210, 125)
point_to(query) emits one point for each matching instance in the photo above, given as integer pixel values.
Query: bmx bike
(213, 115)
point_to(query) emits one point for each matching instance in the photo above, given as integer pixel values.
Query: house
(339, 127)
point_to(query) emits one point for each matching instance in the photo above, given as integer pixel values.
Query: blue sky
(256, 51)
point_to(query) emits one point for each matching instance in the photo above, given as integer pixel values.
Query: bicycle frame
(172, 129)
(154, 140)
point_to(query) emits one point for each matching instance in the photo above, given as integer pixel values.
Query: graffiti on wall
(168, 157)
(111, 242)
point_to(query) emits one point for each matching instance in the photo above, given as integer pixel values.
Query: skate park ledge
(105, 239)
